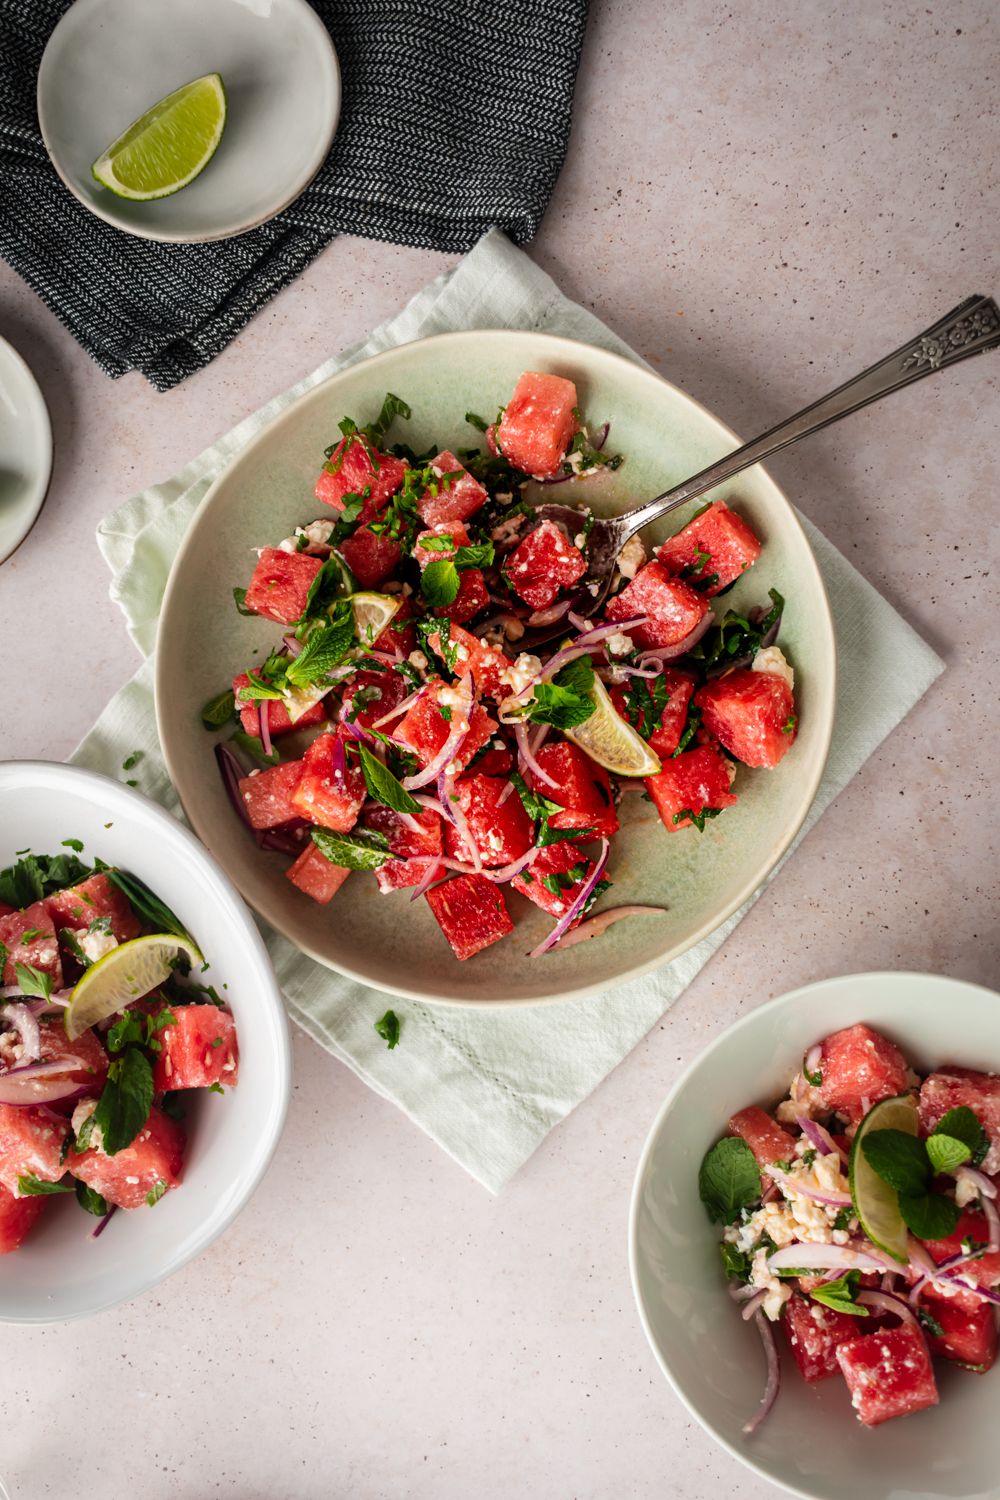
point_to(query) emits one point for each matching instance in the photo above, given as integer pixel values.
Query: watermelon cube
(197, 1049)
(370, 557)
(498, 824)
(565, 867)
(495, 760)
(313, 873)
(155, 1157)
(31, 1141)
(950, 1088)
(471, 913)
(472, 598)
(581, 788)
(278, 721)
(18, 1217)
(971, 1229)
(355, 466)
(889, 1374)
(440, 543)
(545, 562)
(452, 498)
(29, 937)
(98, 896)
(87, 1061)
(370, 695)
(400, 874)
(766, 1139)
(486, 663)
(711, 551)
(409, 837)
(689, 783)
(672, 606)
(267, 795)
(332, 788)
(425, 730)
(5, 910)
(399, 637)
(280, 584)
(751, 713)
(665, 738)
(538, 422)
(814, 1333)
(968, 1335)
(859, 1067)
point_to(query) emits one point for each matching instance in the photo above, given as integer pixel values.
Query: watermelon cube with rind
(765, 1137)
(691, 782)
(313, 874)
(538, 423)
(31, 1142)
(673, 608)
(550, 863)
(544, 563)
(29, 937)
(953, 1087)
(279, 588)
(471, 912)
(497, 822)
(454, 496)
(96, 897)
(18, 1216)
(370, 556)
(814, 1333)
(968, 1335)
(355, 466)
(859, 1067)
(581, 787)
(197, 1049)
(888, 1373)
(267, 795)
(331, 789)
(712, 550)
(155, 1157)
(751, 714)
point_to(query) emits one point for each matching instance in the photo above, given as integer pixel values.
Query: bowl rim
(38, 486)
(325, 48)
(267, 990)
(779, 1002)
(565, 349)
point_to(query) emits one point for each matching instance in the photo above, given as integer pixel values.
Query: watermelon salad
(397, 727)
(861, 1220)
(96, 1112)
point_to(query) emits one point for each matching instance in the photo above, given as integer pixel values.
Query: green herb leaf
(474, 420)
(565, 701)
(735, 1263)
(34, 876)
(929, 1322)
(548, 835)
(899, 1159)
(841, 1295)
(325, 648)
(697, 818)
(148, 906)
(125, 1101)
(392, 407)
(928, 1215)
(33, 981)
(33, 1187)
(156, 1192)
(437, 543)
(534, 805)
(92, 1201)
(962, 1125)
(815, 1079)
(219, 710)
(478, 555)
(127, 1029)
(384, 786)
(945, 1152)
(239, 598)
(440, 583)
(843, 1219)
(364, 849)
(76, 844)
(729, 1179)
(387, 1027)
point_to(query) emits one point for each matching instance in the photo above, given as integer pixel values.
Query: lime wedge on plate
(875, 1202)
(169, 145)
(372, 613)
(610, 741)
(125, 974)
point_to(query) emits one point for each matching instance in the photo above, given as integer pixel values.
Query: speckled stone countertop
(762, 199)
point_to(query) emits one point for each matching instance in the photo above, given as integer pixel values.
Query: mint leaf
(697, 818)
(534, 805)
(437, 543)
(735, 1263)
(219, 710)
(928, 1215)
(34, 876)
(929, 1322)
(364, 849)
(127, 1029)
(899, 1159)
(147, 905)
(156, 1192)
(392, 407)
(480, 555)
(76, 844)
(33, 1187)
(92, 1201)
(125, 1101)
(324, 649)
(728, 1180)
(548, 835)
(440, 583)
(384, 787)
(239, 599)
(387, 1027)
(565, 701)
(257, 688)
(962, 1125)
(841, 1295)
(945, 1152)
(33, 981)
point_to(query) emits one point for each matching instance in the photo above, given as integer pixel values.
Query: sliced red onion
(461, 720)
(773, 1374)
(582, 646)
(993, 1220)
(815, 1256)
(526, 760)
(746, 1313)
(263, 717)
(578, 904)
(890, 1304)
(818, 1195)
(453, 812)
(357, 732)
(681, 647)
(552, 478)
(287, 840)
(618, 671)
(820, 1138)
(985, 1186)
(291, 644)
(813, 1059)
(979, 1291)
(26, 1087)
(338, 756)
(741, 1293)
(100, 1228)
(387, 658)
(25, 1023)
(433, 873)
(400, 708)
(595, 926)
(601, 438)
(232, 773)
(551, 615)
(505, 794)
(431, 803)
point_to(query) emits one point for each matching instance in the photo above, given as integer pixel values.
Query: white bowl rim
(825, 690)
(238, 913)
(779, 1002)
(37, 490)
(227, 231)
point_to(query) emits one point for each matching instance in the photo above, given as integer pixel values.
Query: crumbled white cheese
(418, 659)
(96, 944)
(772, 659)
(520, 672)
(317, 534)
(631, 558)
(450, 697)
(618, 644)
(81, 1115)
(965, 1191)
(778, 1291)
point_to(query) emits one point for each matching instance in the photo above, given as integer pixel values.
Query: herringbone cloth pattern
(455, 118)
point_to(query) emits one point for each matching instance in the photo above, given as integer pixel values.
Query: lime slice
(372, 613)
(609, 740)
(169, 145)
(875, 1202)
(125, 974)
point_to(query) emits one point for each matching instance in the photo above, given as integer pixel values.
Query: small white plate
(25, 450)
(108, 61)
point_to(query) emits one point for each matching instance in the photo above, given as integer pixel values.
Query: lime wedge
(125, 974)
(372, 613)
(609, 740)
(169, 145)
(875, 1202)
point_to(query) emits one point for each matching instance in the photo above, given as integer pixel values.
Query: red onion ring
(773, 1374)
(817, 1195)
(822, 1257)
(291, 644)
(679, 648)
(25, 1023)
(549, 616)
(400, 708)
(453, 812)
(595, 926)
(99, 1230)
(813, 1058)
(756, 1301)
(890, 1304)
(263, 718)
(820, 1138)
(461, 715)
(578, 904)
(525, 758)
(993, 1220)
(985, 1186)
(433, 873)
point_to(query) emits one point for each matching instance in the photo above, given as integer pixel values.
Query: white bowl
(108, 61)
(60, 1271)
(25, 450)
(811, 1443)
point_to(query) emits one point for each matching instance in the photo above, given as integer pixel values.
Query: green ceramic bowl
(811, 1442)
(266, 491)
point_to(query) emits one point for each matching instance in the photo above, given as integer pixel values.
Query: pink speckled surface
(761, 199)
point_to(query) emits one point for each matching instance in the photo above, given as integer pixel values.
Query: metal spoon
(971, 328)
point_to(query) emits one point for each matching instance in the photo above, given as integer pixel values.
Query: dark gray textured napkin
(455, 118)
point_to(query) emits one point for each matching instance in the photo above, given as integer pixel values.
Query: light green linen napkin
(487, 1086)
